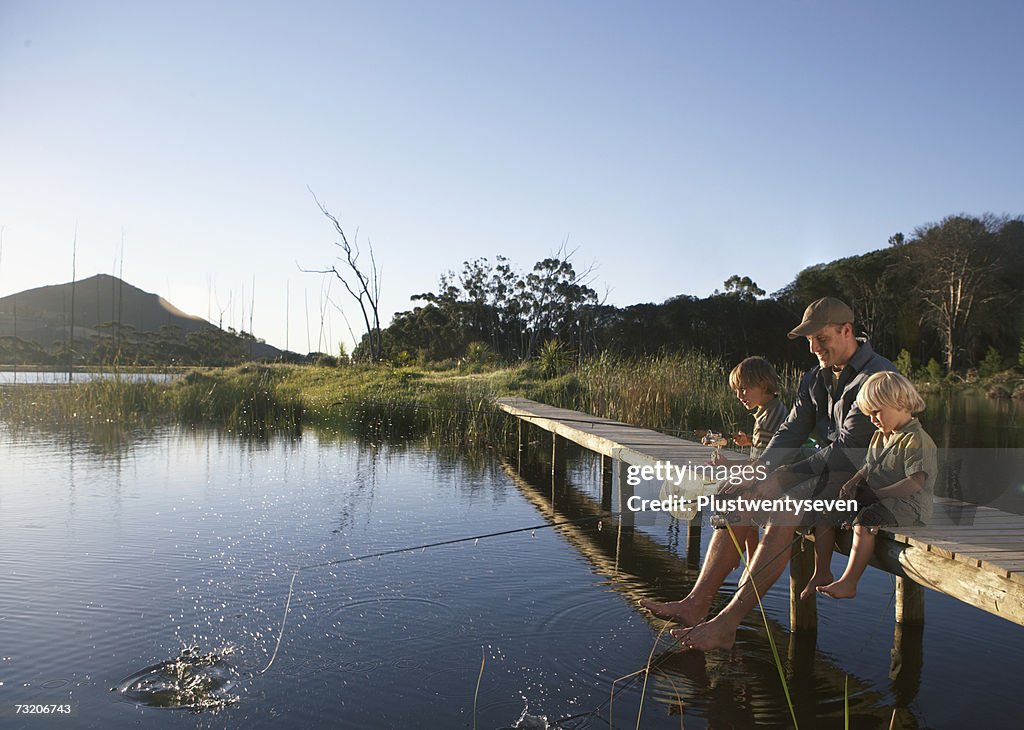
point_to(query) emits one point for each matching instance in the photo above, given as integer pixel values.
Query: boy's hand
(719, 459)
(742, 439)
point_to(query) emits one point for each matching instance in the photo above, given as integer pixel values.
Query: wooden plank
(982, 589)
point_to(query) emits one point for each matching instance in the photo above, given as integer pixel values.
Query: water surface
(116, 558)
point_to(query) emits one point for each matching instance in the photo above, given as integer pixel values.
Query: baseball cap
(827, 310)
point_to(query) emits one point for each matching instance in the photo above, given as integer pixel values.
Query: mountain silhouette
(43, 315)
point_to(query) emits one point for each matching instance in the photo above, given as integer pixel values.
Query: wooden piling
(909, 603)
(607, 481)
(803, 614)
(626, 515)
(558, 456)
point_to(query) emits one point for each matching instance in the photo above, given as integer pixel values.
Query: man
(824, 408)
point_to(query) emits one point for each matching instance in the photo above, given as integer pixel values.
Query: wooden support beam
(693, 528)
(979, 588)
(558, 456)
(625, 492)
(909, 603)
(803, 614)
(607, 481)
(523, 440)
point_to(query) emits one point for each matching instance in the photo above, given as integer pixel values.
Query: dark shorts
(871, 511)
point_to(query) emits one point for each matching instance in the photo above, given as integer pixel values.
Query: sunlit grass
(672, 393)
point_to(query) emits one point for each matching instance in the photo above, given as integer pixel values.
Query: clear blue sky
(673, 144)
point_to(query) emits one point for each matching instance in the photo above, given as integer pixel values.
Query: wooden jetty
(972, 553)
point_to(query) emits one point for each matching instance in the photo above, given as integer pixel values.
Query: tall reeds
(671, 393)
(114, 400)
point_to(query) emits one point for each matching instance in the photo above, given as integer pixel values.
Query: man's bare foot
(840, 589)
(814, 584)
(685, 612)
(713, 634)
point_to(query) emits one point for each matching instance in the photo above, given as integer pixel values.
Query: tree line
(949, 293)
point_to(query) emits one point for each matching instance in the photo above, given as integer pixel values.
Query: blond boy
(893, 488)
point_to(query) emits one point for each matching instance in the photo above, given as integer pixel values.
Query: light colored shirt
(905, 452)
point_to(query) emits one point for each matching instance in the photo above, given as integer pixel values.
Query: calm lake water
(34, 377)
(113, 561)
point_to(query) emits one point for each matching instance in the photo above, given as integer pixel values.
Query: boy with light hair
(893, 488)
(757, 387)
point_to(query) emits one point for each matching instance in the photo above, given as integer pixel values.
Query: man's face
(831, 345)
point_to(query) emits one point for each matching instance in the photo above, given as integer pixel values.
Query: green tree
(992, 363)
(743, 287)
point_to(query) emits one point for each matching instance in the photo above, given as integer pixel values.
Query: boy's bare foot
(839, 589)
(815, 583)
(685, 612)
(713, 634)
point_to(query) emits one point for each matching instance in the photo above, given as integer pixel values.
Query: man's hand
(730, 487)
(769, 488)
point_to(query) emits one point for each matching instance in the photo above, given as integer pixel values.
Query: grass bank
(675, 393)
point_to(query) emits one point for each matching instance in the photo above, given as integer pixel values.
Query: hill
(109, 310)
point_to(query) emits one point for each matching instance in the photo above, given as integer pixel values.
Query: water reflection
(739, 688)
(189, 538)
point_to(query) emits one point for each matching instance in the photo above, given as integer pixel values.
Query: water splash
(192, 680)
(527, 721)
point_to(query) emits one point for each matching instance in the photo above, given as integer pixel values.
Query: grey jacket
(840, 429)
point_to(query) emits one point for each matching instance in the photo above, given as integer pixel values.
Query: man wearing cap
(824, 409)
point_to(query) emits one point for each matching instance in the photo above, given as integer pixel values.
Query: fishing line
(410, 549)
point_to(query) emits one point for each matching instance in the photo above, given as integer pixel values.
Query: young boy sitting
(757, 387)
(893, 488)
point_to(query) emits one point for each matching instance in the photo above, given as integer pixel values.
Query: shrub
(554, 359)
(992, 363)
(904, 363)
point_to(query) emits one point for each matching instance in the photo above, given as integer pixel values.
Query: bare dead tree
(959, 263)
(362, 284)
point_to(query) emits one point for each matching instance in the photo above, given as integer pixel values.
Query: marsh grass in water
(111, 400)
(246, 400)
(673, 393)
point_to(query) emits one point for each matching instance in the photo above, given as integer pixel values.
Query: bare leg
(824, 543)
(769, 561)
(751, 543)
(721, 559)
(860, 556)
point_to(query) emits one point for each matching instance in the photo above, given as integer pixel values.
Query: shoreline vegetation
(677, 394)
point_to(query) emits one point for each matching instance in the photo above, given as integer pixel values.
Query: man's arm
(846, 454)
(800, 423)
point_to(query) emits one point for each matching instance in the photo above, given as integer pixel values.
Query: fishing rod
(409, 549)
